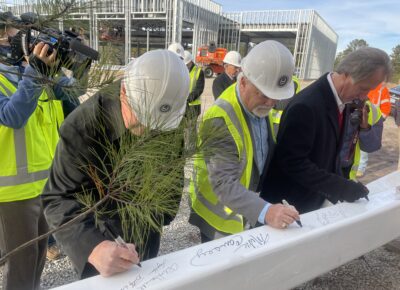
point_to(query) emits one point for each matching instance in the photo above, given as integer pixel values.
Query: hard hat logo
(165, 108)
(283, 81)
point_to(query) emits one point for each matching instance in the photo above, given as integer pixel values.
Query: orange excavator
(211, 58)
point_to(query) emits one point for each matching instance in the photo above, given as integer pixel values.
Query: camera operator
(363, 130)
(29, 123)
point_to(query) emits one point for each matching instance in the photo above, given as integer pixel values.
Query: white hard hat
(233, 58)
(187, 57)
(157, 86)
(269, 66)
(178, 49)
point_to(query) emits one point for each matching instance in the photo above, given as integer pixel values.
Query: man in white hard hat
(151, 101)
(178, 49)
(236, 143)
(232, 62)
(196, 86)
(310, 167)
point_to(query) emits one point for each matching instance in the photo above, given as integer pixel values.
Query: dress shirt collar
(339, 102)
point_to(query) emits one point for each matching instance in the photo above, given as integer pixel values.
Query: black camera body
(71, 52)
(356, 117)
(356, 112)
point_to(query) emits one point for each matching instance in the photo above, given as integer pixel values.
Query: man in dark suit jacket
(232, 62)
(305, 168)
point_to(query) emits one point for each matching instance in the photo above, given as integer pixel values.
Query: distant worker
(196, 87)
(380, 97)
(362, 131)
(232, 62)
(276, 112)
(178, 49)
(236, 143)
(306, 169)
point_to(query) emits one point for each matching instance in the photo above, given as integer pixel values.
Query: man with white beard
(236, 145)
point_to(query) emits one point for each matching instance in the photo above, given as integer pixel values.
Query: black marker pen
(117, 238)
(284, 202)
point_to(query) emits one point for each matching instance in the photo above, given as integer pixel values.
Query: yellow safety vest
(204, 201)
(27, 153)
(373, 117)
(297, 84)
(274, 119)
(275, 115)
(194, 76)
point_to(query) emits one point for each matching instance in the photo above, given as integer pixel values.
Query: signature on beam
(330, 216)
(160, 272)
(205, 256)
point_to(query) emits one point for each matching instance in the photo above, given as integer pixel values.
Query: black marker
(284, 202)
(117, 238)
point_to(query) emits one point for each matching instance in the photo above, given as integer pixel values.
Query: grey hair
(362, 63)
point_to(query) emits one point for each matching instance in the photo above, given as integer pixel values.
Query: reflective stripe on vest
(274, 117)
(27, 153)
(194, 76)
(204, 201)
(373, 117)
(297, 84)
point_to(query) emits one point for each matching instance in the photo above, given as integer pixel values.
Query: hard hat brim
(281, 93)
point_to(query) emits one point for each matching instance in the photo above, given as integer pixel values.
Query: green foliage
(396, 63)
(144, 182)
(150, 177)
(143, 177)
(352, 46)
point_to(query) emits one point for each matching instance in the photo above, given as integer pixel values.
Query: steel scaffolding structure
(135, 26)
(311, 40)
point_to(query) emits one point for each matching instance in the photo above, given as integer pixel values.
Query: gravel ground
(379, 269)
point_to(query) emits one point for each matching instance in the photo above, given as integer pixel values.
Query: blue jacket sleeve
(371, 140)
(67, 90)
(16, 109)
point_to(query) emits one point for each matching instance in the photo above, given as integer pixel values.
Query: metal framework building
(311, 40)
(157, 23)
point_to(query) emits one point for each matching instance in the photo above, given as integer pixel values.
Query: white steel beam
(267, 258)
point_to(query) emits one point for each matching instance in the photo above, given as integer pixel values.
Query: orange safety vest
(380, 97)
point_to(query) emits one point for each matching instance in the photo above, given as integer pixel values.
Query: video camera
(71, 52)
(356, 112)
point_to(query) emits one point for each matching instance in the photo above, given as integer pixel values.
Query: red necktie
(340, 118)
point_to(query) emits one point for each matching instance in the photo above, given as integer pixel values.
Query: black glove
(354, 191)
